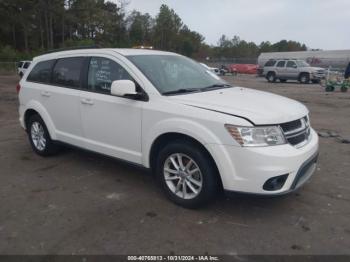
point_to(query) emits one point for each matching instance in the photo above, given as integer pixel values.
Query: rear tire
(271, 77)
(304, 78)
(39, 137)
(180, 181)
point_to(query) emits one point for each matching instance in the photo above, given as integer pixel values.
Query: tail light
(18, 88)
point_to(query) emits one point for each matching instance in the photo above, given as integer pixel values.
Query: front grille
(297, 132)
(289, 126)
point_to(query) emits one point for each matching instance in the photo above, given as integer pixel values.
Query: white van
(166, 112)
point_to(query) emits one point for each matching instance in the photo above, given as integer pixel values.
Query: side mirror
(295, 66)
(123, 88)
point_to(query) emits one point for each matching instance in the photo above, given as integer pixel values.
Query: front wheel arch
(307, 74)
(166, 138)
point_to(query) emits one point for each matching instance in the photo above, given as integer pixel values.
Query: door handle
(45, 93)
(86, 101)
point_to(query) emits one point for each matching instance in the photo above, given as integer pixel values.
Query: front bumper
(244, 169)
(317, 76)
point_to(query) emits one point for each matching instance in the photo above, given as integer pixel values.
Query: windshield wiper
(216, 86)
(181, 91)
(191, 90)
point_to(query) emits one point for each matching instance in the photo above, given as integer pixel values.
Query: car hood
(261, 108)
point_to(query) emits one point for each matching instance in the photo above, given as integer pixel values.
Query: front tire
(39, 137)
(186, 174)
(304, 78)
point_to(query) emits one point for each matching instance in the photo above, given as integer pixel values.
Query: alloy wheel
(37, 133)
(183, 176)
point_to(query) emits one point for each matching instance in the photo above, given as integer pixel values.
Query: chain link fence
(8, 67)
(217, 62)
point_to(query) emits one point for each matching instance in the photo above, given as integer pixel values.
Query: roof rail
(71, 48)
(285, 59)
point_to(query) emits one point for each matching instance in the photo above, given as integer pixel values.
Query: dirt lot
(82, 203)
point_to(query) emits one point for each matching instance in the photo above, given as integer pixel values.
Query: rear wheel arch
(39, 135)
(271, 76)
(35, 108)
(27, 115)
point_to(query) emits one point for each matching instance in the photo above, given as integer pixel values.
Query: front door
(111, 124)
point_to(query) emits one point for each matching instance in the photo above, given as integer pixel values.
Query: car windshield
(302, 63)
(173, 74)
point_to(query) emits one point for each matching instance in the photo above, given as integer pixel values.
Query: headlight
(257, 136)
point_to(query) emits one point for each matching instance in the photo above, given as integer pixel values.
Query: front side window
(291, 64)
(281, 63)
(67, 72)
(172, 73)
(41, 73)
(102, 72)
(302, 63)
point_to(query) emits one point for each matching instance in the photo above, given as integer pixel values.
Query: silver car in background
(292, 69)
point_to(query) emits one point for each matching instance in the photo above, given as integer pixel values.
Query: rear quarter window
(270, 63)
(41, 72)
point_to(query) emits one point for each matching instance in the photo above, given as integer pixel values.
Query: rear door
(61, 99)
(281, 69)
(111, 124)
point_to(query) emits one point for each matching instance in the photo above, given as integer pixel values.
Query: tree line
(31, 27)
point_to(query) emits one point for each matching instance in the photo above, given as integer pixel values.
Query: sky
(323, 24)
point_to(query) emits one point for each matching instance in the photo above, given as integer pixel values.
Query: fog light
(275, 183)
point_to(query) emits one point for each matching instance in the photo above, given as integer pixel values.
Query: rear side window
(270, 63)
(67, 72)
(41, 72)
(102, 72)
(281, 63)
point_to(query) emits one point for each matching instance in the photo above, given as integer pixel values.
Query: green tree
(140, 28)
(167, 28)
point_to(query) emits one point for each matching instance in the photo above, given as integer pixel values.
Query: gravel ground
(83, 203)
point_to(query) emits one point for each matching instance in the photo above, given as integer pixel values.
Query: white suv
(166, 112)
